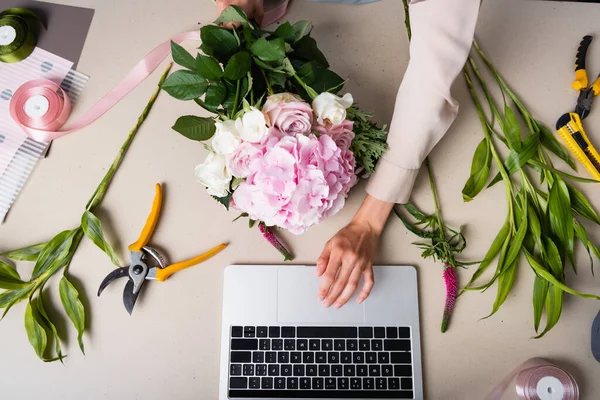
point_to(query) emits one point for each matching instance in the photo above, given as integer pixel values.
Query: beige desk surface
(170, 347)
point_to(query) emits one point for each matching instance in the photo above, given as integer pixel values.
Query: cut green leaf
(512, 131)
(238, 66)
(480, 170)
(540, 290)
(54, 255)
(35, 332)
(307, 49)
(208, 67)
(9, 278)
(215, 95)
(48, 325)
(554, 301)
(185, 85)
(29, 253)
(552, 258)
(301, 29)
(69, 297)
(549, 141)
(286, 32)
(233, 14)
(220, 41)
(269, 50)
(506, 281)
(195, 128)
(182, 57)
(560, 218)
(581, 205)
(92, 227)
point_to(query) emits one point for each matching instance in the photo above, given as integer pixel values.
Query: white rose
(252, 126)
(332, 108)
(226, 138)
(213, 174)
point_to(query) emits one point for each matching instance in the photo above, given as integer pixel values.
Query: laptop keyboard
(320, 362)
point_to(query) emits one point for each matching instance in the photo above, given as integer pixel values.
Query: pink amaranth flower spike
(451, 291)
(271, 238)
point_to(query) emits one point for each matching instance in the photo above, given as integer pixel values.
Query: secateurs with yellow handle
(147, 263)
(569, 126)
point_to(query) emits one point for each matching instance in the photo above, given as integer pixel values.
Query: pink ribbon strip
(46, 128)
(538, 379)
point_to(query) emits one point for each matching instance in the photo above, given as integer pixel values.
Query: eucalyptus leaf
(54, 255)
(269, 50)
(238, 66)
(480, 170)
(220, 41)
(182, 57)
(92, 227)
(29, 253)
(208, 67)
(511, 129)
(185, 85)
(35, 332)
(540, 291)
(554, 302)
(307, 49)
(69, 297)
(301, 29)
(195, 128)
(233, 14)
(544, 274)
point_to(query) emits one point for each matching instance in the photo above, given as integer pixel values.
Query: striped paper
(18, 153)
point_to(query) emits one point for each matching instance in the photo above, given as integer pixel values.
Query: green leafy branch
(56, 255)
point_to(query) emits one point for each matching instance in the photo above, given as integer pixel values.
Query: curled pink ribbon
(538, 379)
(46, 127)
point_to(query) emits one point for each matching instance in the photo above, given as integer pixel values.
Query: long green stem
(269, 88)
(407, 20)
(436, 203)
(101, 190)
(237, 100)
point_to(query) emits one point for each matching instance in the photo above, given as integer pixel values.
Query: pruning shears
(147, 263)
(569, 126)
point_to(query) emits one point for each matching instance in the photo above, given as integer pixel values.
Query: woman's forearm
(374, 213)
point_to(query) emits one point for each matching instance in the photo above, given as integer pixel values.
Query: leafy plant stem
(269, 88)
(237, 100)
(438, 214)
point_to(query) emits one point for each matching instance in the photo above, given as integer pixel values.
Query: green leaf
(554, 301)
(592, 250)
(420, 233)
(516, 160)
(185, 85)
(307, 49)
(238, 66)
(208, 67)
(69, 297)
(224, 200)
(48, 325)
(35, 332)
(11, 297)
(549, 141)
(517, 242)
(276, 79)
(581, 205)
(480, 170)
(269, 50)
(233, 14)
(552, 258)
(29, 253)
(195, 128)
(506, 281)
(286, 32)
(414, 211)
(301, 29)
(221, 41)
(534, 225)
(540, 290)
(327, 81)
(544, 274)
(215, 95)
(535, 163)
(92, 227)
(511, 129)
(182, 57)
(9, 277)
(55, 254)
(491, 254)
(560, 217)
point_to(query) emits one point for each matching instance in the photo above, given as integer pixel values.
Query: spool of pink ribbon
(538, 379)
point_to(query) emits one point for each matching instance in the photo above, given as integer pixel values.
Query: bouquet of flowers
(284, 147)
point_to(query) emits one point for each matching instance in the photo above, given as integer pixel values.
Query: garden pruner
(147, 263)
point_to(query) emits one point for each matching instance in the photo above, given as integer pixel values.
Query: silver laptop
(279, 342)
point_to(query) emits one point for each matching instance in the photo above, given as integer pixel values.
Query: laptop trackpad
(297, 302)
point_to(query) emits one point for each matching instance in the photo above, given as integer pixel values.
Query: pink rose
(342, 134)
(243, 159)
(289, 114)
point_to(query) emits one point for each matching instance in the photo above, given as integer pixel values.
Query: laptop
(279, 342)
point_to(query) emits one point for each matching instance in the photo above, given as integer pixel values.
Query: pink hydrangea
(342, 134)
(299, 181)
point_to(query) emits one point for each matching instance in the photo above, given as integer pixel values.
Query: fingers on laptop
(369, 281)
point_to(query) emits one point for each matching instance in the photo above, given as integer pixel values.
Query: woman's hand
(253, 8)
(349, 254)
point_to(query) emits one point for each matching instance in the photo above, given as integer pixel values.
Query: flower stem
(101, 190)
(269, 88)
(407, 19)
(438, 213)
(237, 99)
(311, 92)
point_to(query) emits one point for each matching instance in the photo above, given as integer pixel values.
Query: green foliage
(369, 142)
(195, 128)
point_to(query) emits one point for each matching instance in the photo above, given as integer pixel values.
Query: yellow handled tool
(164, 273)
(572, 133)
(151, 222)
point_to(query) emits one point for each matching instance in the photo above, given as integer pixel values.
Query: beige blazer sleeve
(442, 33)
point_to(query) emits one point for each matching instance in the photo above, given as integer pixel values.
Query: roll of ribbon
(19, 29)
(538, 379)
(40, 104)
